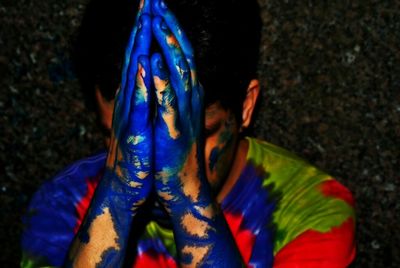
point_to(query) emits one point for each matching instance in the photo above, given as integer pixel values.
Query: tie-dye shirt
(282, 212)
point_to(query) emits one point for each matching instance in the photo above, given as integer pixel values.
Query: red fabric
(244, 238)
(334, 189)
(311, 249)
(83, 205)
(153, 259)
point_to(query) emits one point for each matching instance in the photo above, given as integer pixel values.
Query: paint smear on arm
(102, 237)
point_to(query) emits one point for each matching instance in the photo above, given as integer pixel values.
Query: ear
(249, 103)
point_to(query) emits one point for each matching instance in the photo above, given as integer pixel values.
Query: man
(180, 185)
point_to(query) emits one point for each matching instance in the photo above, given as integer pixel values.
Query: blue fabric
(52, 215)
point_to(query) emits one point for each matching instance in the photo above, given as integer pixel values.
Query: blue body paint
(127, 182)
(201, 234)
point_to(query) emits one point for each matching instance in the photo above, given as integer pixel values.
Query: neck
(237, 166)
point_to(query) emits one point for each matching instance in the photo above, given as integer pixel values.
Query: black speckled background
(330, 72)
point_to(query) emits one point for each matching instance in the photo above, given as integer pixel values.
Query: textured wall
(330, 75)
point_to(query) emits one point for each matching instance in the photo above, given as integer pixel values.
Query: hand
(179, 154)
(127, 182)
(201, 234)
(130, 155)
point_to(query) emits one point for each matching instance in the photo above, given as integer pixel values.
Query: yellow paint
(89, 255)
(135, 184)
(138, 204)
(163, 176)
(198, 254)
(135, 140)
(142, 175)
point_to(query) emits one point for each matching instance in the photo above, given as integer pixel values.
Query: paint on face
(222, 136)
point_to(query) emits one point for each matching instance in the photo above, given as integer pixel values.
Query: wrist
(119, 192)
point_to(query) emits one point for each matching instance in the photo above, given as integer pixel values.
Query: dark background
(330, 77)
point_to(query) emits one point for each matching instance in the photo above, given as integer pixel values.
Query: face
(221, 133)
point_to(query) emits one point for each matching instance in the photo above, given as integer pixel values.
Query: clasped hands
(155, 142)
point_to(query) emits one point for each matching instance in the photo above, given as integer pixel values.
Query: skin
(201, 233)
(187, 182)
(128, 178)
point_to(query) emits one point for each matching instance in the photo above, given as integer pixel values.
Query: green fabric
(294, 184)
(154, 230)
(33, 262)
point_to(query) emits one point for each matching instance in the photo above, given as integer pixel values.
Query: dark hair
(225, 35)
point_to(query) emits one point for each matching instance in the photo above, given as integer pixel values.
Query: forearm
(201, 233)
(103, 236)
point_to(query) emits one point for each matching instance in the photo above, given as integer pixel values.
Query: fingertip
(144, 69)
(159, 72)
(160, 25)
(157, 62)
(160, 7)
(156, 7)
(144, 61)
(144, 26)
(146, 6)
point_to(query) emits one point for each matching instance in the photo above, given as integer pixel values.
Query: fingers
(159, 8)
(176, 61)
(144, 8)
(166, 98)
(140, 121)
(141, 47)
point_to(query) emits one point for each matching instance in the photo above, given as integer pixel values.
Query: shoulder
(57, 208)
(307, 198)
(71, 176)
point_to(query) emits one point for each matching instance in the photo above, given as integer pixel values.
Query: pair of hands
(160, 150)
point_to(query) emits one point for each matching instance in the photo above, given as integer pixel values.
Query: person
(181, 184)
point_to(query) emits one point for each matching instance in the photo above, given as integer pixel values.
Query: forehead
(215, 113)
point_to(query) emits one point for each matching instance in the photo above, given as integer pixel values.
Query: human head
(225, 36)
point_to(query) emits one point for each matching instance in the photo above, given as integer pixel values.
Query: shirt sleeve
(56, 211)
(333, 249)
